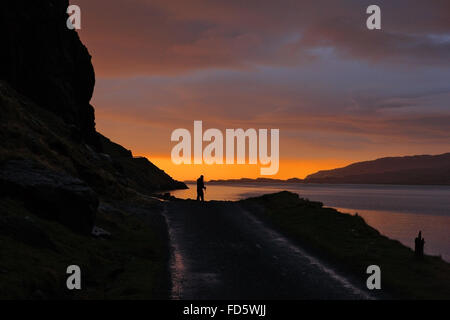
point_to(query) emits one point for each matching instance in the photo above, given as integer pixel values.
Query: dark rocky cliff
(47, 127)
(45, 61)
(69, 195)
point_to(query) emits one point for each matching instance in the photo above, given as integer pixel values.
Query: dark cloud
(167, 37)
(310, 68)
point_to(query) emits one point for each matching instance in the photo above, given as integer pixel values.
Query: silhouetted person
(200, 188)
(419, 245)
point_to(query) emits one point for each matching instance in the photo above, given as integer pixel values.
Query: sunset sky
(337, 91)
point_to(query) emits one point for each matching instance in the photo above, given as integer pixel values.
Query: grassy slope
(348, 241)
(129, 265)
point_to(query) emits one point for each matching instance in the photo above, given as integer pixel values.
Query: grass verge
(131, 264)
(349, 242)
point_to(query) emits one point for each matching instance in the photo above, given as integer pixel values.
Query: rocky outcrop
(142, 175)
(45, 61)
(50, 194)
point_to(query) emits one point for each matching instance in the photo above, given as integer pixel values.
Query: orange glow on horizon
(289, 168)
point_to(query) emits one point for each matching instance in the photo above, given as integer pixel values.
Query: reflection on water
(398, 212)
(404, 227)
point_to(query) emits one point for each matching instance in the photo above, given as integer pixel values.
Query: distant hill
(248, 180)
(420, 170)
(409, 170)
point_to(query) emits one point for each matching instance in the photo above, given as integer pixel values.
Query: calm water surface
(398, 212)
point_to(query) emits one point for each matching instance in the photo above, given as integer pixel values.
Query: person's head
(201, 177)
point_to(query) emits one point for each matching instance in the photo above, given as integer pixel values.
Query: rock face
(50, 194)
(45, 61)
(142, 175)
(51, 157)
(54, 166)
